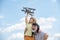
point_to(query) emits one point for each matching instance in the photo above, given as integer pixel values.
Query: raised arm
(26, 19)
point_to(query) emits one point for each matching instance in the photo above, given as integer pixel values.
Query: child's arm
(25, 30)
(26, 19)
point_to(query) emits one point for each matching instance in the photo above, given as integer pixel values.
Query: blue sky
(12, 18)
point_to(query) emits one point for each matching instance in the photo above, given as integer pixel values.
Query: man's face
(34, 28)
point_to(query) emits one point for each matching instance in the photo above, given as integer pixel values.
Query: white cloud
(46, 27)
(16, 35)
(1, 17)
(19, 26)
(0, 30)
(45, 23)
(53, 0)
(57, 35)
(51, 38)
(43, 20)
(5, 24)
(51, 19)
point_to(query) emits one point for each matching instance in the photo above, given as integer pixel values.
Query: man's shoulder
(41, 32)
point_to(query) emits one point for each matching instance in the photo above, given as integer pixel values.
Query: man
(37, 33)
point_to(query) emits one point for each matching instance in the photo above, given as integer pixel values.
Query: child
(28, 29)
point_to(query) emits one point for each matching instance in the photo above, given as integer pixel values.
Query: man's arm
(46, 36)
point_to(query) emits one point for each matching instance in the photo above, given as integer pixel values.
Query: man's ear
(45, 36)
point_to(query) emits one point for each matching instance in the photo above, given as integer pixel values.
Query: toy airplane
(29, 11)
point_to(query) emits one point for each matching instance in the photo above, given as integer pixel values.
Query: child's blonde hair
(34, 20)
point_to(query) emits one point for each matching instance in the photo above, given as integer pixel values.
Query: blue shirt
(39, 36)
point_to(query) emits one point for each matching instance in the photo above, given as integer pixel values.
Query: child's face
(31, 20)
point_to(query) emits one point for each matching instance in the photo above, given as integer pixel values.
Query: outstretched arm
(26, 19)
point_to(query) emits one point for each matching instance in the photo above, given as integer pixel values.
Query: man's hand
(46, 36)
